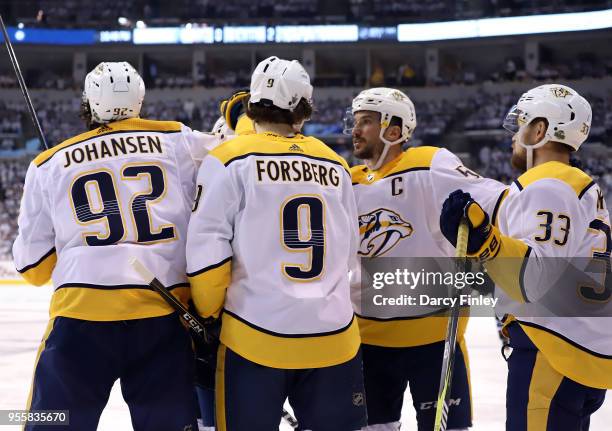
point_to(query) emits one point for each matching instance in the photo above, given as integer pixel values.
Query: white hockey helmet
(282, 83)
(390, 103)
(115, 91)
(567, 112)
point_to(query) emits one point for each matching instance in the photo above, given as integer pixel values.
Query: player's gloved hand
(206, 353)
(483, 241)
(233, 107)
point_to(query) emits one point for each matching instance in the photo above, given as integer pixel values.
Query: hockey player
(268, 249)
(124, 188)
(232, 121)
(561, 364)
(397, 192)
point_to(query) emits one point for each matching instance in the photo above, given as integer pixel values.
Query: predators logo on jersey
(380, 231)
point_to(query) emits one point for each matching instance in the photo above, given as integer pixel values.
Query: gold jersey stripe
(209, 286)
(40, 272)
(570, 360)
(507, 269)
(289, 352)
(112, 304)
(574, 177)
(406, 332)
(413, 159)
(129, 125)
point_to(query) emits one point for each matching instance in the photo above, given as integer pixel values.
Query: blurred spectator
(452, 71)
(406, 75)
(38, 80)
(510, 72)
(72, 13)
(377, 79)
(41, 17)
(12, 176)
(438, 121)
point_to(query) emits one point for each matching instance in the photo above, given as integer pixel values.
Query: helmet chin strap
(385, 150)
(529, 148)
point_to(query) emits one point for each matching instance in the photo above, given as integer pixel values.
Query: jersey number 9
(303, 230)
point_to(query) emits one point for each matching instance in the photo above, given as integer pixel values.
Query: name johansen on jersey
(102, 149)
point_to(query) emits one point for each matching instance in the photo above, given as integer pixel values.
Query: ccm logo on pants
(432, 404)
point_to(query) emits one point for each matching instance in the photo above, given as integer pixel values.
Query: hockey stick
(22, 84)
(192, 320)
(448, 360)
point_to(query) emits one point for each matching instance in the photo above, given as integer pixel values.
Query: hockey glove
(483, 241)
(233, 107)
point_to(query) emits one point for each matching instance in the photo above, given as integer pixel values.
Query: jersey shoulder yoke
(578, 180)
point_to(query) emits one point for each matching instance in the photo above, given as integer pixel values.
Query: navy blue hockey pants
(80, 360)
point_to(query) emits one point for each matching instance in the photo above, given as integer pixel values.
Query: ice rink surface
(23, 317)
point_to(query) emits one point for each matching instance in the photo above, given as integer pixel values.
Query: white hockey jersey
(553, 221)
(269, 244)
(399, 210)
(90, 203)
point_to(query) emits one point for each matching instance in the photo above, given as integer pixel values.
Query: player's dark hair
(86, 115)
(539, 119)
(265, 112)
(395, 121)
